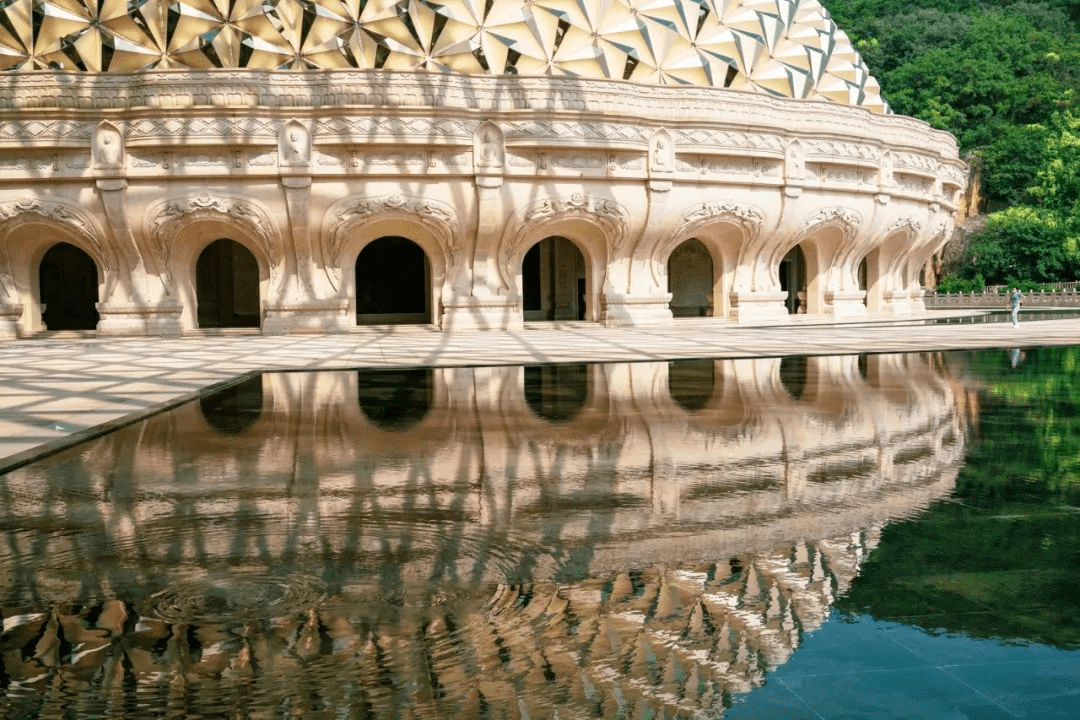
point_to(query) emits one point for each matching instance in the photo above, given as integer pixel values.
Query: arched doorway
(68, 286)
(393, 283)
(793, 280)
(690, 280)
(227, 286)
(553, 281)
(557, 393)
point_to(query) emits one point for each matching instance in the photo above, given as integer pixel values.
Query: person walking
(1015, 298)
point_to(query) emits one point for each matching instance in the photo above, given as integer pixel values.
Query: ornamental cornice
(248, 92)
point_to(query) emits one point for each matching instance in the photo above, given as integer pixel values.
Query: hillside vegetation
(1004, 77)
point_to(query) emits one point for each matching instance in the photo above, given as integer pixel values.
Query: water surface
(616, 540)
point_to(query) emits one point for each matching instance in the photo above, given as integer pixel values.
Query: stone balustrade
(997, 301)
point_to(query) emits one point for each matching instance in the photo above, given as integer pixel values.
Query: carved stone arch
(611, 218)
(343, 217)
(166, 220)
(909, 226)
(749, 219)
(74, 224)
(69, 218)
(934, 241)
(845, 219)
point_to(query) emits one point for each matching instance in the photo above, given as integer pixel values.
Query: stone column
(138, 300)
(480, 301)
(303, 299)
(643, 302)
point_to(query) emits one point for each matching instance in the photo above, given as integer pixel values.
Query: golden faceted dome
(787, 48)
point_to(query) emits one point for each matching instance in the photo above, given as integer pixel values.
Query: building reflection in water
(604, 540)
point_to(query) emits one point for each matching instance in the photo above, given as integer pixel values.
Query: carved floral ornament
(910, 224)
(67, 217)
(611, 217)
(847, 220)
(167, 220)
(438, 217)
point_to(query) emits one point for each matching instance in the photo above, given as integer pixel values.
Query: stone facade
(304, 169)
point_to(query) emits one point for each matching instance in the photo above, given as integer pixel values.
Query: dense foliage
(1001, 558)
(1004, 77)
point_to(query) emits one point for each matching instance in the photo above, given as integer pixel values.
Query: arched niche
(227, 286)
(395, 399)
(68, 288)
(554, 281)
(556, 393)
(233, 410)
(393, 283)
(691, 280)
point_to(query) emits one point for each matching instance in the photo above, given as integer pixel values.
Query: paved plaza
(56, 389)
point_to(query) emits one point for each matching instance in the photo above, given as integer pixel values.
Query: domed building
(314, 165)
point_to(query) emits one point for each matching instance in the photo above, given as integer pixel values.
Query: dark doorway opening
(227, 286)
(793, 280)
(690, 280)
(393, 283)
(553, 284)
(68, 283)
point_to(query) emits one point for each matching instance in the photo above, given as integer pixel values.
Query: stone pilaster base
(845, 303)
(918, 300)
(751, 307)
(9, 321)
(896, 302)
(631, 310)
(325, 316)
(138, 319)
(472, 313)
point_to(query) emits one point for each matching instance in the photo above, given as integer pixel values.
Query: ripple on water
(234, 597)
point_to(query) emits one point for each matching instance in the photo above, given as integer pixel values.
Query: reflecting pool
(696, 538)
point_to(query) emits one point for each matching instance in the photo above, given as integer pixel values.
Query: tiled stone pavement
(57, 388)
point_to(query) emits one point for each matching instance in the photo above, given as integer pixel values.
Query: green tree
(1023, 243)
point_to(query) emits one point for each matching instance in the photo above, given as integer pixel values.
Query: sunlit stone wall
(142, 172)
